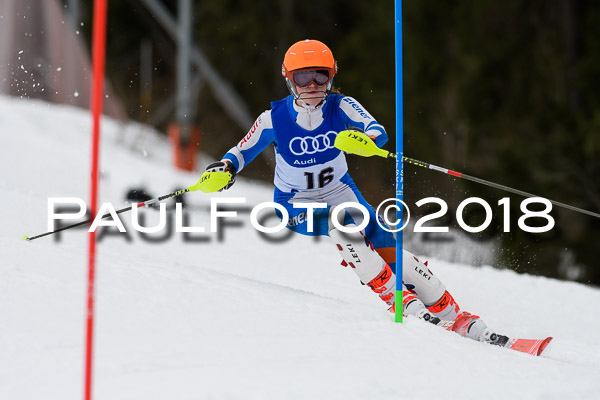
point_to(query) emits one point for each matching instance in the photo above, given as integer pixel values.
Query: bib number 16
(323, 178)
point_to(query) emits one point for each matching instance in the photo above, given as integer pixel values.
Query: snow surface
(240, 318)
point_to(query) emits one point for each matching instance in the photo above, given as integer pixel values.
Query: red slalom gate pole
(96, 101)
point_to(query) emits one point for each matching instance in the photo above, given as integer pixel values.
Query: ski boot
(414, 306)
(473, 327)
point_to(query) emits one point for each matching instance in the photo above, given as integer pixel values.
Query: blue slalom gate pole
(400, 153)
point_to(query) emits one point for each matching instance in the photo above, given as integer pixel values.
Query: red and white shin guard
(445, 308)
(384, 285)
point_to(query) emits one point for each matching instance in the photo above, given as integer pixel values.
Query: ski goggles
(305, 77)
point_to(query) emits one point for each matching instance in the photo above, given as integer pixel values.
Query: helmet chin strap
(306, 106)
(301, 101)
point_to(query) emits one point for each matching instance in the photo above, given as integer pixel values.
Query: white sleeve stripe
(236, 152)
(376, 128)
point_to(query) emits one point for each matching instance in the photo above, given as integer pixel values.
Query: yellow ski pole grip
(358, 143)
(212, 181)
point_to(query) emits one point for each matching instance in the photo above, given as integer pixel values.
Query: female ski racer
(309, 169)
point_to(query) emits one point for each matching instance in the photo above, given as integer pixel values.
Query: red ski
(534, 347)
(530, 346)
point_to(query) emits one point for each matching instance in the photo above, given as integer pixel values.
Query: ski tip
(544, 344)
(25, 237)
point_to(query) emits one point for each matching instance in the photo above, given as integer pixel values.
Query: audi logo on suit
(312, 144)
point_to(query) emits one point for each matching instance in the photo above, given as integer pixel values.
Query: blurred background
(505, 91)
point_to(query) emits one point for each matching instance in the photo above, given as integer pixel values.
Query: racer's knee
(417, 277)
(360, 257)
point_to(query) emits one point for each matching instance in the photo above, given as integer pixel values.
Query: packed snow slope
(236, 316)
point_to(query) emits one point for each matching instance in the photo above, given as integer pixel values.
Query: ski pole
(209, 182)
(122, 210)
(360, 144)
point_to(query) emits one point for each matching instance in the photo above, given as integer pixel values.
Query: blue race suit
(308, 166)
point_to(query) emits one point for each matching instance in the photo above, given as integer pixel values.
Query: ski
(534, 347)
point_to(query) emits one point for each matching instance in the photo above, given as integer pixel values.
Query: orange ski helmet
(308, 55)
